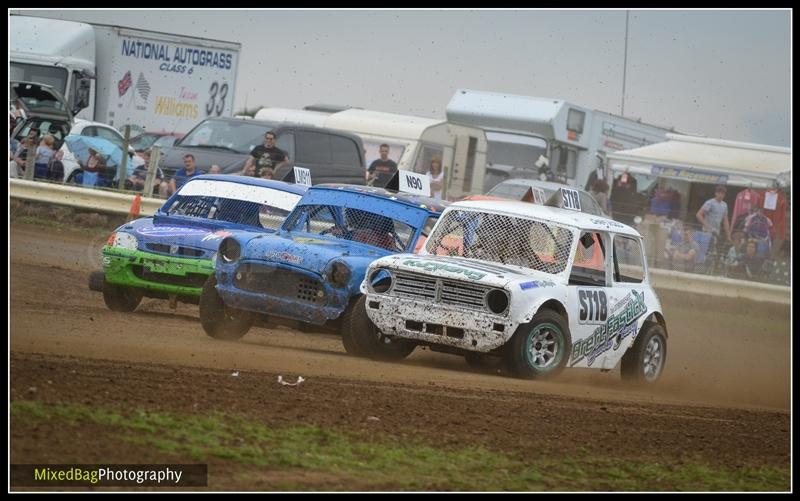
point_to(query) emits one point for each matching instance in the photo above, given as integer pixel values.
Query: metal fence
(669, 247)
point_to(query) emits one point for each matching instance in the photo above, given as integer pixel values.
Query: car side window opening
(313, 147)
(345, 151)
(628, 263)
(589, 265)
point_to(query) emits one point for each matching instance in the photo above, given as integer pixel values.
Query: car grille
(180, 251)
(452, 292)
(189, 280)
(279, 282)
(415, 286)
(460, 294)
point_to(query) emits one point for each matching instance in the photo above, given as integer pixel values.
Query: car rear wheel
(365, 340)
(539, 348)
(121, 298)
(221, 321)
(644, 362)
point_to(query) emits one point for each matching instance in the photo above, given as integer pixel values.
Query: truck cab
(60, 54)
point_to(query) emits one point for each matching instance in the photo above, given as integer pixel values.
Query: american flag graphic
(143, 86)
(125, 84)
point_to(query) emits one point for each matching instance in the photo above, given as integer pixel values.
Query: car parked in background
(72, 166)
(515, 189)
(329, 155)
(144, 142)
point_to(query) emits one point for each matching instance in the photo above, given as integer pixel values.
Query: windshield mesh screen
(502, 239)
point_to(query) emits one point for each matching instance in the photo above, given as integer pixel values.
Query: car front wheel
(540, 347)
(121, 298)
(221, 321)
(361, 338)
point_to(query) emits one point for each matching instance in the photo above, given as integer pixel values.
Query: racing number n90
(413, 182)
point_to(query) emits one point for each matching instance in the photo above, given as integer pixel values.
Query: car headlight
(497, 301)
(123, 240)
(230, 250)
(340, 274)
(381, 280)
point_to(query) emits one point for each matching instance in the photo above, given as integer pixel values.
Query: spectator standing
(381, 170)
(600, 193)
(265, 155)
(44, 154)
(215, 169)
(713, 215)
(436, 177)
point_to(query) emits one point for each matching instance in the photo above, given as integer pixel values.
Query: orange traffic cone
(136, 207)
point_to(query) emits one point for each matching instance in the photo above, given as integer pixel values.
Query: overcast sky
(724, 74)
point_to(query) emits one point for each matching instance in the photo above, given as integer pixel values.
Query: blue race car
(170, 256)
(311, 270)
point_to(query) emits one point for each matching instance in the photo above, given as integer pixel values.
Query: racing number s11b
(594, 305)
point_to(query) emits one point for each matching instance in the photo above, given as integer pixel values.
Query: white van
(413, 141)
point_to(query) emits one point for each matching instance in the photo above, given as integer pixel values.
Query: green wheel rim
(544, 347)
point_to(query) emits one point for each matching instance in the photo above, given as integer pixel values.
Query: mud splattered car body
(172, 252)
(313, 267)
(540, 287)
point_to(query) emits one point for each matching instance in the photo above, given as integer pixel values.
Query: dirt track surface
(724, 397)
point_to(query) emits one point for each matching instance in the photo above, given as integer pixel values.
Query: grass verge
(354, 462)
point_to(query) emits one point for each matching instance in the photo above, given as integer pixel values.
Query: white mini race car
(537, 288)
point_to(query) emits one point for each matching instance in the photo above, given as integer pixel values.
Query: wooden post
(152, 169)
(122, 168)
(30, 161)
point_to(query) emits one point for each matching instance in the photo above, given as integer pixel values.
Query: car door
(590, 299)
(627, 299)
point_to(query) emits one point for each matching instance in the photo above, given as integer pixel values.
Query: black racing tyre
(539, 348)
(220, 321)
(97, 281)
(482, 361)
(365, 340)
(644, 362)
(350, 345)
(121, 298)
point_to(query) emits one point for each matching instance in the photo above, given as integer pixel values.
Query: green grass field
(349, 461)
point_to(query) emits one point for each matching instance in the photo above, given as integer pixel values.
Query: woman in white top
(436, 177)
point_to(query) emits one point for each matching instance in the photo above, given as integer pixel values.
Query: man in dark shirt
(382, 169)
(139, 176)
(266, 155)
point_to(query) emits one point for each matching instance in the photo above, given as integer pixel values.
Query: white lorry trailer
(123, 76)
(520, 129)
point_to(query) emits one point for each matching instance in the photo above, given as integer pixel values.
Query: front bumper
(438, 324)
(156, 272)
(284, 291)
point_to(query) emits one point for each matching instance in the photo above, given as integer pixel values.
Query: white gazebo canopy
(705, 160)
